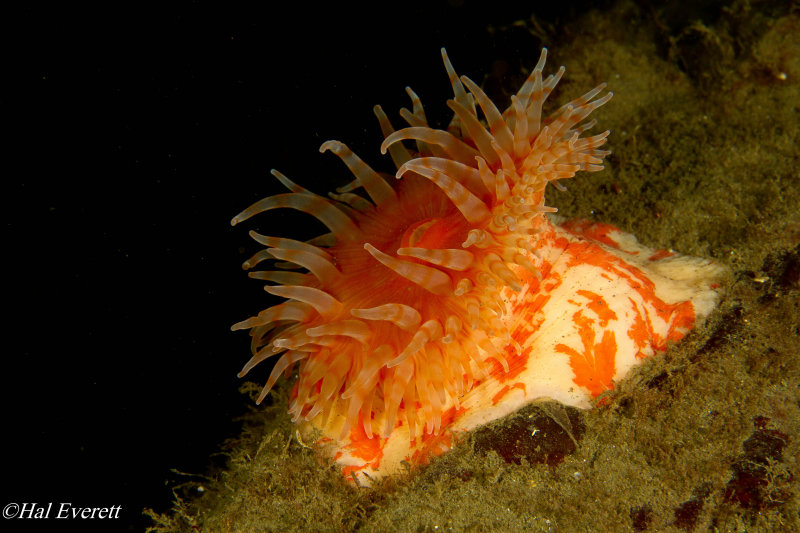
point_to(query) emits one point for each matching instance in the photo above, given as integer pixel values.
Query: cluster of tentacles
(397, 312)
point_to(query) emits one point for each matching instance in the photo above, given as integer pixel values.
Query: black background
(137, 134)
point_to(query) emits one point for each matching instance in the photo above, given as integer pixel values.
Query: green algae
(705, 123)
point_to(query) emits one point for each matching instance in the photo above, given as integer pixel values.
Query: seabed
(705, 124)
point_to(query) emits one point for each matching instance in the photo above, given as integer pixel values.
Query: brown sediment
(705, 126)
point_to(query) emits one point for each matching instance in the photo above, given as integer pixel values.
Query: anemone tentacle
(395, 318)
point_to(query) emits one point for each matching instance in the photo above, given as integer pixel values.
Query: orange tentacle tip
(449, 298)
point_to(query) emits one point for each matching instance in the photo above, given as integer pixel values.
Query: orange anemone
(392, 317)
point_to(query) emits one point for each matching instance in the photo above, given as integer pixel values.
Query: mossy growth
(705, 123)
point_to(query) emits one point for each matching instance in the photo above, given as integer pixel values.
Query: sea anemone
(404, 290)
(432, 302)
